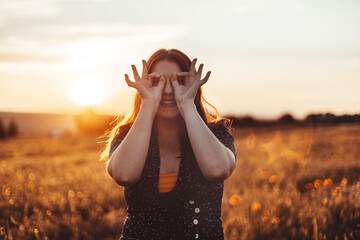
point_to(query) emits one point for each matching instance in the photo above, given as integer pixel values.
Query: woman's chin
(168, 113)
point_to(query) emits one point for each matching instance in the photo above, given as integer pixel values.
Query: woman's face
(167, 108)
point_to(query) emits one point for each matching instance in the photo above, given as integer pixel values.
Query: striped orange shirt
(167, 182)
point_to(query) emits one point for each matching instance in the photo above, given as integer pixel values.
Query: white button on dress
(197, 210)
(195, 221)
(196, 236)
(191, 202)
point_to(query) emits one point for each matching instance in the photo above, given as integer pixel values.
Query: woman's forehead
(166, 66)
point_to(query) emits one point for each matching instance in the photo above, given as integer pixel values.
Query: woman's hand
(185, 93)
(150, 86)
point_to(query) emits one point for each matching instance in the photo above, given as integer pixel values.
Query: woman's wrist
(149, 106)
(187, 108)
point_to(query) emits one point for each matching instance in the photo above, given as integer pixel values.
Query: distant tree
(286, 119)
(248, 120)
(13, 128)
(2, 130)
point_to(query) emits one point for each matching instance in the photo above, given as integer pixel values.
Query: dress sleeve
(118, 139)
(222, 133)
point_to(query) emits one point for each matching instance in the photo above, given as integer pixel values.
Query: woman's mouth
(168, 102)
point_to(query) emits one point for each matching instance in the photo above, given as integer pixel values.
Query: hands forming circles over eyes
(186, 92)
(185, 84)
(149, 92)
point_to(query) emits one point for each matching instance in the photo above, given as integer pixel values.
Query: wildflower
(309, 186)
(263, 175)
(11, 201)
(8, 191)
(36, 231)
(358, 185)
(317, 183)
(275, 220)
(272, 178)
(266, 213)
(336, 191)
(256, 207)
(327, 182)
(343, 182)
(30, 185)
(79, 195)
(265, 219)
(31, 177)
(19, 187)
(71, 193)
(234, 200)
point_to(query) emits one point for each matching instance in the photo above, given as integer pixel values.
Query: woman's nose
(168, 88)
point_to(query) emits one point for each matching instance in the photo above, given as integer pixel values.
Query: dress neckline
(168, 174)
(179, 173)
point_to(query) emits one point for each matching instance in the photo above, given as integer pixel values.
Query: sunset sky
(267, 57)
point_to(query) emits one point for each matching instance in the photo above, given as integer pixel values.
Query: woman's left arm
(215, 160)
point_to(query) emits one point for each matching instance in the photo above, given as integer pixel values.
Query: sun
(87, 91)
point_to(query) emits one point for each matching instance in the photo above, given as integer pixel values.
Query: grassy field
(288, 184)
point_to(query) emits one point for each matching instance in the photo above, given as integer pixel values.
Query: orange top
(167, 182)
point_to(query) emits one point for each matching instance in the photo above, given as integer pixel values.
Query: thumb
(162, 80)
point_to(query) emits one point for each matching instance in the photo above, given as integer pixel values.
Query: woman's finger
(154, 78)
(200, 70)
(182, 74)
(174, 80)
(192, 67)
(154, 75)
(205, 79)
(129, 82)
(162, 81)
(145, 71)
(135, 72)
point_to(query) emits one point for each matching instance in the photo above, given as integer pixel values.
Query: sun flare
(87, 92)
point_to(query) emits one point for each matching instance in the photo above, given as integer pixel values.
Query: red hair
(184, 63)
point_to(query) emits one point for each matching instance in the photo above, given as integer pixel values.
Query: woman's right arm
(127, 161)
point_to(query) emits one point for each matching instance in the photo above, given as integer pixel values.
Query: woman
(170, 154)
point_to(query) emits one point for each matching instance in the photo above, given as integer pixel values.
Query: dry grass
(56, 188)
(275, 178)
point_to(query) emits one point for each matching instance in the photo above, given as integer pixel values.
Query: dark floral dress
(190, 211)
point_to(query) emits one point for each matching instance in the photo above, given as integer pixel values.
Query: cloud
(19, 57)
(117, 30)
(24, 9)
(82, 46)
(263, 5)
(15, 9)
